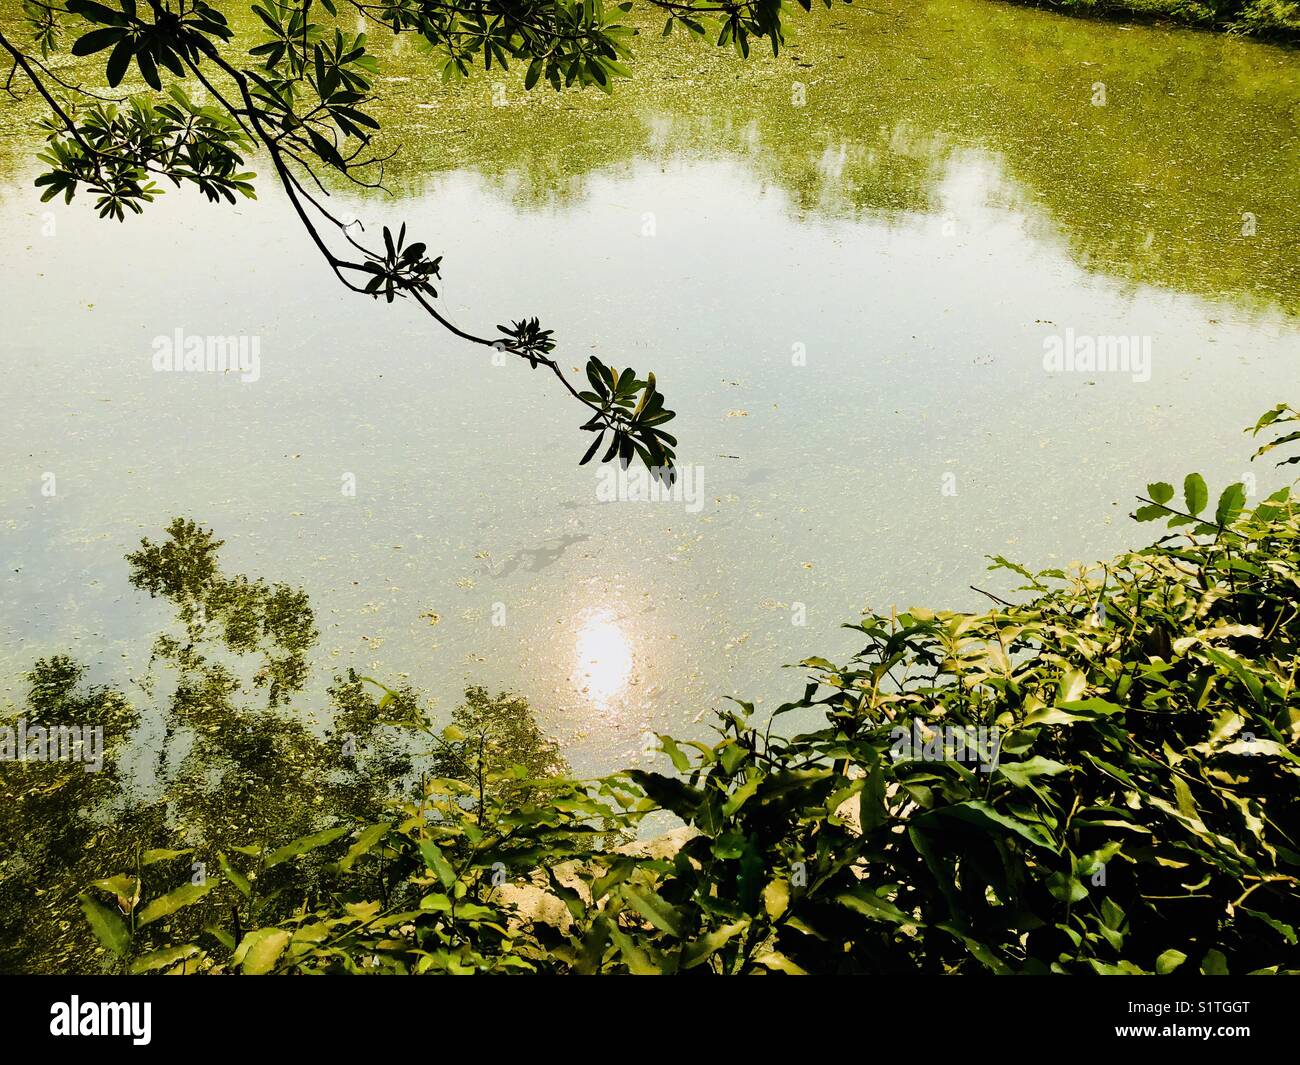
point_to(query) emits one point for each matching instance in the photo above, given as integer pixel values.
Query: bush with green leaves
(1123, 798)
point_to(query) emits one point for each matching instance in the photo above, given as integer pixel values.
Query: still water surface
(845, 301)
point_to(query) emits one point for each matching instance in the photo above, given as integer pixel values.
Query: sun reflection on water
(604, 658)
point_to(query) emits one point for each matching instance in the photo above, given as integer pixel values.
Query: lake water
(841, 264)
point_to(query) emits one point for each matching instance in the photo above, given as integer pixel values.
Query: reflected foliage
(497, 738)
(235, 614)
(200, 784)
(58, 823)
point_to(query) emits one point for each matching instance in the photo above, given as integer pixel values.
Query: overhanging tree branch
(303, 103)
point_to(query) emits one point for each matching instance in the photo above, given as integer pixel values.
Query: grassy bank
(1270, 19)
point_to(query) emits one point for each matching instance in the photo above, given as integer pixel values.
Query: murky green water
(841, 264)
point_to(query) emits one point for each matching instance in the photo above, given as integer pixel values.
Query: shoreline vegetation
(1276, 21)
(1101, 779)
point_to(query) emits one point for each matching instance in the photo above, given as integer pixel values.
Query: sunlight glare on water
(604, 656)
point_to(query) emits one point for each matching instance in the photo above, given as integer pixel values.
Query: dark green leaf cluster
(567, 43)
(738, 23)
(629, 412)
(42, 20)
(526, 337)
(113, 151)
(402, 268)
(1282, 414)
(173, 39)
(313, 87)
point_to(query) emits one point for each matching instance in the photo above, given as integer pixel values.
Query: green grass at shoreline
(1276, 20)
